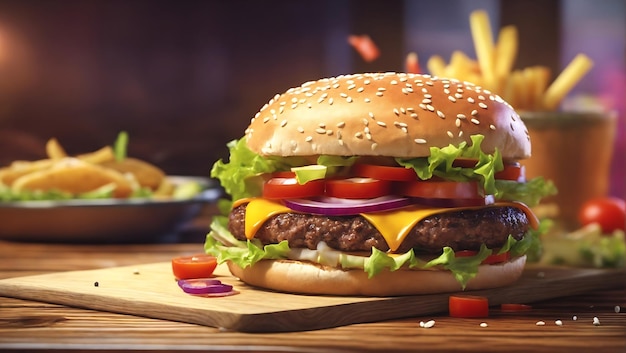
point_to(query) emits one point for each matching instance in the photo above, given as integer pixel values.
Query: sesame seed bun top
(385, 114)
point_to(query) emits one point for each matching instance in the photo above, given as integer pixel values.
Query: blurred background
(185, 77)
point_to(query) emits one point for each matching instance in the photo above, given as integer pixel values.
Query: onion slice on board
(205, 287)
(332, 206)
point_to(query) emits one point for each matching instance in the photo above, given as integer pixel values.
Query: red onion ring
(332, 206)
(204, 286)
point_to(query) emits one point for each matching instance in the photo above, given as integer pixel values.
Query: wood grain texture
(150, 290)
(34, 326)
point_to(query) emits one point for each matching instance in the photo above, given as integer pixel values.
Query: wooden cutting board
(150, 290)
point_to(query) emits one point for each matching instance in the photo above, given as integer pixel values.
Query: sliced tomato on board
(357, 188)
(491, 259)
(289, 188)
(468, 306)
(515, 307)
(196, 266)
(382, 172)
(439, 189)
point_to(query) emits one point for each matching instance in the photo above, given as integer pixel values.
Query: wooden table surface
(33, 326)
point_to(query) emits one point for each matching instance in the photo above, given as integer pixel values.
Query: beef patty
(460, 230)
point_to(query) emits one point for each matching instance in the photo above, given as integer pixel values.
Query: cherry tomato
(512, 171)
(512, 307)
(357, 188)
(609, 212)
(289, 188)
(439, 189)
(196, 266)
(491, 259)
(382, 172)
(466, 306)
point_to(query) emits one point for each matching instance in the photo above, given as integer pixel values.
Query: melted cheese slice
(393, 225)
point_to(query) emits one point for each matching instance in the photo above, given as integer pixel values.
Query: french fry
(436, 66)
(54, 149)
(102, 155)
(483, 44)
(506, 51)
(566, 80)
(460, 65)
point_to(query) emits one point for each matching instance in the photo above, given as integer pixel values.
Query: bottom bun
(307, 278)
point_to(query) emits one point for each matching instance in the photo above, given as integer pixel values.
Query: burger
(378, 184)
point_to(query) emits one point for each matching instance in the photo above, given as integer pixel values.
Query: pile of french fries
(85, 173)
(527, 89)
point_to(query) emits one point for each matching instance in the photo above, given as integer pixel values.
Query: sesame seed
(475, 121)
(322, 125)
(423, 106)
(340, 142)
(320, 130)
(430, 107)
(360, 89)
(540, 323)
(558, 323)
(461, 116)
(483, 324)
(481, 97)
(294, 106)
(399, 124)
(331, 100)
(336, 85)
(458, 95)
(446, 91)
(300, 129)
(450, 134)
(574, 317)
(266, 119)
(358, 135)
(374, 145)
(414, 115)
(429, 324)
(368, 136)
(394, 82)
(365, 121)
(596, 321)
(420, 141)
(441, 114)
(474, 112)
(380, 94)
(457, 122)
(366, 130)
(343, 95)
(329, 132)
(283, 123)
(294, 100)
(381, 89)
(470, 99)
(367, 100)
(451, 99)
(371, 115)
(320, 100)
(341, 124)
(349, 99)
(492, 127)
(396, 112)
(482, 105)
(380, 123)
(402, 110)
(352, 86)
(617, 309)
(367, 82)
(461, 133)
(426, 101)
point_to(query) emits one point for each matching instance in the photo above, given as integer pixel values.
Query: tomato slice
(196, 266)
(491, 259)
(512, 171)
(357, 188)
(439, 189)
(467, 306)
(382, 172)
(289, 188)
(513, 307)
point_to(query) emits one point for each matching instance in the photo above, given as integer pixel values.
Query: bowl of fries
(101, 196)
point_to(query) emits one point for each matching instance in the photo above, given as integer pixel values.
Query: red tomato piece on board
(468, 306)
(196, 266)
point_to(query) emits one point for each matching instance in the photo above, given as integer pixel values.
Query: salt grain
(540, 323)
(558, 323)
(483, 324)
(574, 317)
(596, 321)
(429, 324)
(617, 309)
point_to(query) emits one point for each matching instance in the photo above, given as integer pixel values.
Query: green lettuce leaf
(439, 163)
(530, 192)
